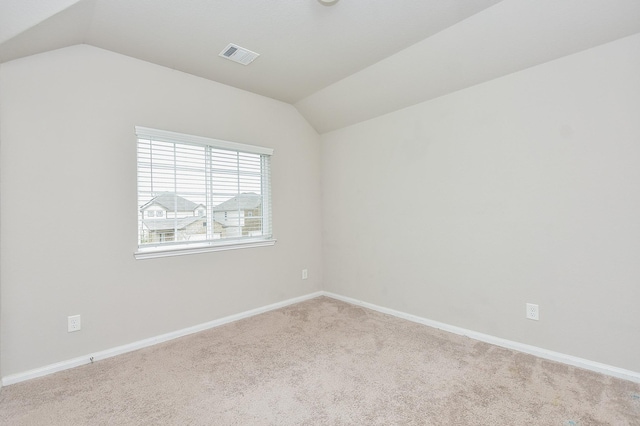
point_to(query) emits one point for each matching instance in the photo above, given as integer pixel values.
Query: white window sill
(178, 250)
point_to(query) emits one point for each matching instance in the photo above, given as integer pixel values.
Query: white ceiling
(508, 37)
(304, 45)
(338, 64)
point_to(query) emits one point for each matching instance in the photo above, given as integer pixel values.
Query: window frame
(212, 245)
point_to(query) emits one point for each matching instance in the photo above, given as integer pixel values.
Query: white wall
(68, 142)
(522, 189)
(461, 209)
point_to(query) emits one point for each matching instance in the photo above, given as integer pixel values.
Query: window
(182, 173)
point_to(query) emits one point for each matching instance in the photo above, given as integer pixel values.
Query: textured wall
(522, 189)
(68, 145)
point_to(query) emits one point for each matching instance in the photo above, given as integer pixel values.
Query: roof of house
(244, 201)
(172, 202)
(169, 224)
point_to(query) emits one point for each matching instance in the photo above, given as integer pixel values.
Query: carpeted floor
(323, 362)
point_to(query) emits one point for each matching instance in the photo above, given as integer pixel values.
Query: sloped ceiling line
(340, 65)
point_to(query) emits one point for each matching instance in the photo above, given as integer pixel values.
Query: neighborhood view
(170, 217)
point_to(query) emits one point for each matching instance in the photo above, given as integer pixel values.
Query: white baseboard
(586, 364)
(108, 353)
(532, 350)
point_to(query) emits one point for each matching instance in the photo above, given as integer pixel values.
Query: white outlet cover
(305, 274)
(533, 312)
(73, 323)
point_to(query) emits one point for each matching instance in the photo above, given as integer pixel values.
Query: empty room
(320, 212)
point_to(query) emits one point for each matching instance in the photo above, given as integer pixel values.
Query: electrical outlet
(532, 312)
(73, 323)
(305, 274)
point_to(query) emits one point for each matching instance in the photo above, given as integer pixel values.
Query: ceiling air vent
(238, 54)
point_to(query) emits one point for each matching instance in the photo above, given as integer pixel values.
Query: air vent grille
(238, 54)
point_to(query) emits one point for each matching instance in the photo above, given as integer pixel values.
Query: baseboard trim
(108, 353)
(509, 344)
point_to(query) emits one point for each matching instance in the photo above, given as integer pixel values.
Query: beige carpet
(323, 362)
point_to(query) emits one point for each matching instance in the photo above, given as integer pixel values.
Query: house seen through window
(196, 192)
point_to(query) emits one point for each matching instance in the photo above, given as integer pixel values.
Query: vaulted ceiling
(337, 64)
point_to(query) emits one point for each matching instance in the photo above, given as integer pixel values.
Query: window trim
(171, 137)
(182, 249)
(179, 249)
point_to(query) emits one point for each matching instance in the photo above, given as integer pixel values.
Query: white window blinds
(196, 192)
